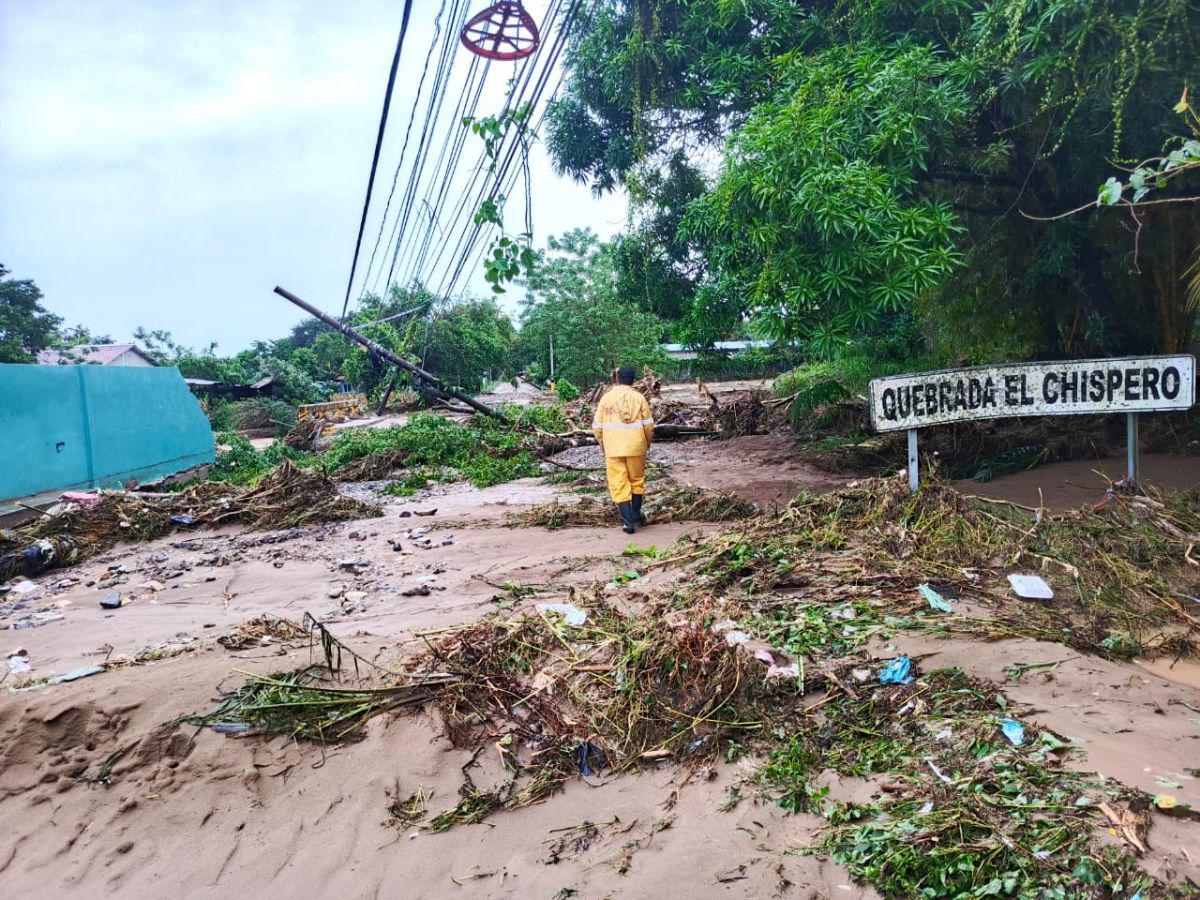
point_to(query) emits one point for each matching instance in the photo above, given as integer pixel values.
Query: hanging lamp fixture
(503, 31)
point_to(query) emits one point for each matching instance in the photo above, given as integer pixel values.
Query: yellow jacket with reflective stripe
(622, 423)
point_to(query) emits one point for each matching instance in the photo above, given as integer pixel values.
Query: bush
(827, 382)
(243, 464)
(566, 390)
(484, 451)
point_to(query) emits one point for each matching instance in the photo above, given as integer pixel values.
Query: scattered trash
(591, 759)
(936, 600)
(572, 614)
(1165, 801)
(159, 558)
(83, 498)
(1030, 587)
(860, 675)
(185, 521)
(735, 637)
(18, 662)
(76, 674)
(112, 601)
(1014, 731)
(425, 512)
(897, 672)
(938, 772)
(738, 874)
(927, 807)
(943, 736)
(37, 620)
(1168, 783)
(778, 665)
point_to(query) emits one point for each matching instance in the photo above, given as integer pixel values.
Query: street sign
(1129, 385)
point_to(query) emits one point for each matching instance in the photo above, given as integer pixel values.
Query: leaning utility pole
(384, 353)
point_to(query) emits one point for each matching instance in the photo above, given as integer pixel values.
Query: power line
(433, 111)
(471, 235)
(387, 102)
(445, 62)
(518, 85)
(412, 116)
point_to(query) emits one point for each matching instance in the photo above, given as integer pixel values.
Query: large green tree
(26, 327)
(575, 312)
(872, 154)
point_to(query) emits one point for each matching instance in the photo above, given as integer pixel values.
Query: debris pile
(764, 648)
(670, 502)
(289, 497)
(1120, 571)
(745, 412)
(262, 631)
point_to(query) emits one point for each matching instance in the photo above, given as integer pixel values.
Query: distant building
(729, 348)
(96, 355)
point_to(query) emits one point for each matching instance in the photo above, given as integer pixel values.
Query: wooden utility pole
(384, 353)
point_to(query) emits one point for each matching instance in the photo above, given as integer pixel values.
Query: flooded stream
(1066, 485)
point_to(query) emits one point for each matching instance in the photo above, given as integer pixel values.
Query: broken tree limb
(386, 354)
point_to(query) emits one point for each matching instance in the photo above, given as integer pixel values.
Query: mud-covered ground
(196, 814)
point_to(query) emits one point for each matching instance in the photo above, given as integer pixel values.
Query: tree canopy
(861, 158)
(26, 327)
(574, 306)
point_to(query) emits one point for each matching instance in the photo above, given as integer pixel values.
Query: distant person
(624, 429)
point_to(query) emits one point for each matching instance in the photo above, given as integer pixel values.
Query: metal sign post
(914, 462)
(1132, 449)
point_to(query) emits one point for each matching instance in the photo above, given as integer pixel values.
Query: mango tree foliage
(1020, 108)
(815, 221)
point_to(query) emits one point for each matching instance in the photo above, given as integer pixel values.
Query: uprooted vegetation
(1121, 570)
(761, 649)
(669, 502)
(429, 446)
(289, 497)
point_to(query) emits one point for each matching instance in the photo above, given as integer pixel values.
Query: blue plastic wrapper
(1014, 731)
(897, 672)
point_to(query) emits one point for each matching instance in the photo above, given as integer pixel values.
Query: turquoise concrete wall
(79, 427)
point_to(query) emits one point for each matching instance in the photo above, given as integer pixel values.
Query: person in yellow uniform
(624, 429)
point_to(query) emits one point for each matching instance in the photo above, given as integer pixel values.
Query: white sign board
(1074, 387)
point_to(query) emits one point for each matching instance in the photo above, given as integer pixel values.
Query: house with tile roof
(97, 355)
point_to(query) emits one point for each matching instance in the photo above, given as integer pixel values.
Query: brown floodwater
(1067, 485)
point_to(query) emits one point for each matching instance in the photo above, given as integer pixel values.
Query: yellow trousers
(626, 476)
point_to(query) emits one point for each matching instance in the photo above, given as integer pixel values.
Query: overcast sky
(166, 164)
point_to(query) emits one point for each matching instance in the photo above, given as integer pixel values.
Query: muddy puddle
(1066, 485)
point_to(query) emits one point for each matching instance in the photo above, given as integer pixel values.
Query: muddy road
(97, 798)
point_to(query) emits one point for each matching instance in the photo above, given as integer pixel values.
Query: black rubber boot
(628, 522)
(637, 509)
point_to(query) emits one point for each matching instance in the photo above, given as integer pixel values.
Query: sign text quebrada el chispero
(1075, 387)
